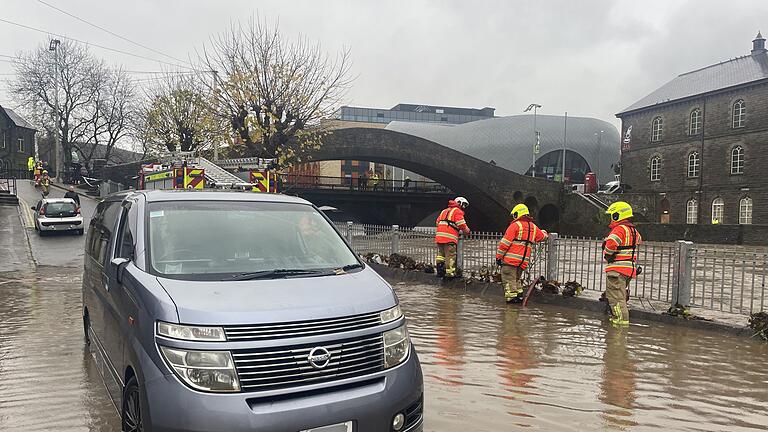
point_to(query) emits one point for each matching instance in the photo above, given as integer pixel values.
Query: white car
(58, 214)
(612, 187)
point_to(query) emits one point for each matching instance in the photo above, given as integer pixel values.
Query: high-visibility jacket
(30, 163)
(515, 247)
(620, 248)
(449, 223)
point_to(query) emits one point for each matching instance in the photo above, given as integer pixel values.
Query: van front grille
(278, 368)
(257, 332)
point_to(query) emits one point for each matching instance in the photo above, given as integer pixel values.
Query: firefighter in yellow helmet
(620, 252)
(515, 250)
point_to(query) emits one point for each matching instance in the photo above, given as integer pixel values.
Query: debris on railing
(759, 323)
(572, 289)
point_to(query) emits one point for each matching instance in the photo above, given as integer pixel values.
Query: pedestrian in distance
(31, 167)
(620, 253)
(450, 223)
(406, 184)
(515, 250)
(73, 195)
(374, 181)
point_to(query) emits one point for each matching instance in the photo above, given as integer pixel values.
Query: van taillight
(77, 210)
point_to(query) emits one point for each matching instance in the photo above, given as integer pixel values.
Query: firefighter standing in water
(449, 223)
(515, 250)
(620, 252)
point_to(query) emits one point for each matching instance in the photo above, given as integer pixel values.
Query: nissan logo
(319, 357)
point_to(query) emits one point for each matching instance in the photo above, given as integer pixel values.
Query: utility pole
(216, 142)
(599, 144)
(54, 46)
(535, 107)
(565, 141)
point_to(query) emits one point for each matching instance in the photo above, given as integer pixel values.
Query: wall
(720, 234)
(10, 155)
(715, 179)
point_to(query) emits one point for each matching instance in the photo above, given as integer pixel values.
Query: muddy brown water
(487, 367)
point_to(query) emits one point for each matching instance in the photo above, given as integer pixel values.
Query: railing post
(681, 286)
(395, 239)
(349, 234)
(552, 244)
(460, 253)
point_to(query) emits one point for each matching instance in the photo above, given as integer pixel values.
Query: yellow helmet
(45, 171)
(619, 211)
(519, 210)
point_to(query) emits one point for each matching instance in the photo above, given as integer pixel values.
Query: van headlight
(191, 333)
(397, 345)
(391, 314)
(212, 371)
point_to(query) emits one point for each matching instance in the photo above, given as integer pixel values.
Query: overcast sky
(588, 57)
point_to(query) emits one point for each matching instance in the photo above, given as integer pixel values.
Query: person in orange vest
(515, 250)
(620, 252)
(449, 223)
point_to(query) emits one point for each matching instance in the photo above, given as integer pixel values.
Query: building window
(2, 142)
(691, 211)
(21, 145)
(737, 160)
(739, 113)
(693, 165)
(718, 207)
(745, 211)
(656, 129)
(655, 168)
(439, 111)
(695, 122)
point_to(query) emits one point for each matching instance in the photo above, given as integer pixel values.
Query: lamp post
(599, 144)
(54, 46)
(535, 107)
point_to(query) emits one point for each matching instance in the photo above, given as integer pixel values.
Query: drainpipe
(700, 197)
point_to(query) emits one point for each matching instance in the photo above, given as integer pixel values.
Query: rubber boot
(440, 268)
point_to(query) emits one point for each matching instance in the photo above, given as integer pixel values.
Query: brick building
(694, 146)
(17, 141)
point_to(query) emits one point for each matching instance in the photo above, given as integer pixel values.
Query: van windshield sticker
(156, 213)
(173, 268)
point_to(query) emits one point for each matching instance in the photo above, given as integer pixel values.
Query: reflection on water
(492, 367)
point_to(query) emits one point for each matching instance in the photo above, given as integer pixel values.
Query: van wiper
(274, 274)
(349, 267)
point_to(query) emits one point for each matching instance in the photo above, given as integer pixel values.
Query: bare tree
(273, 92)
(177, 115)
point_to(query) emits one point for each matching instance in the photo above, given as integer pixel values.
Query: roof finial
(758, 45)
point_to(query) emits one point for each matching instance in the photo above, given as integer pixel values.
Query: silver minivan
(227, 311)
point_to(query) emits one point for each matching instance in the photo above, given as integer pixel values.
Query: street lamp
(599, 144)
(536, 142)
(54, 46)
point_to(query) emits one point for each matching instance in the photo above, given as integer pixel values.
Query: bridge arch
(491, 190)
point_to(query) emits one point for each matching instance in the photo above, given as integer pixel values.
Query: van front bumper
(370, 404)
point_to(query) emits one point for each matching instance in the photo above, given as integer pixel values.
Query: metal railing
(8, 180)
(297, 181)
(713, 277)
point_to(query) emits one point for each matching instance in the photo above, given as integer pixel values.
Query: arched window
(739, 113)
(745, 211)
(737, 160)
(655, 167)
(694, 126)
(694, 165)
(718, 207)
(657, 128)
(691, 211)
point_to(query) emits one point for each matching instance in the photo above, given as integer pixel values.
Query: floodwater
(493, 367)
(487, 366)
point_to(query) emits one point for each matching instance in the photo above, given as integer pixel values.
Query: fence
(714, 277)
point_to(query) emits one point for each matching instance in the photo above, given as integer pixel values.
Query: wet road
(488, 367)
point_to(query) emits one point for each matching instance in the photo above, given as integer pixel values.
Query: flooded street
(489, 367)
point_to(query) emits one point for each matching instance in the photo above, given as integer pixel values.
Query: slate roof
(17, 119)
(741, 70)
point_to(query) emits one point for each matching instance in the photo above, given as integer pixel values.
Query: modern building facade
(17, 141)
(413, 113)
(696, 143)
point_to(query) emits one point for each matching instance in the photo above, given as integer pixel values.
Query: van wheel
(131, 412)
(79, 232)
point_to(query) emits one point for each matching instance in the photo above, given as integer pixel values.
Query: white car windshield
(215, 240)
(60, 209)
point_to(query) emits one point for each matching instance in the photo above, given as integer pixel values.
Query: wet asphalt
(487, 366)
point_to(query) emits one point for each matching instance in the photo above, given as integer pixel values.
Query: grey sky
(589, 57)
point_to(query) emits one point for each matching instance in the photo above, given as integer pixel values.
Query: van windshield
(217, 240)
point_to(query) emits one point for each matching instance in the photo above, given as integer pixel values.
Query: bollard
(349, 234)
(681, 284)
(395, 239)
(552, 256)
(460, 253)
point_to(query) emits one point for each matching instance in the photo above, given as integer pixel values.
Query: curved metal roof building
(508, 141)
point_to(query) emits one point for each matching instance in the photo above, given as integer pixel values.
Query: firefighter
(515, 250)
(449, 223)
(31, 167)
(45, 183)
(38, 172)
(620, 252)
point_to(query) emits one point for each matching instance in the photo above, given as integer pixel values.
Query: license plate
(341, 427)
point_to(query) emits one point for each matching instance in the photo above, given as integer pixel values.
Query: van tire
(131, 410)
(80, 232)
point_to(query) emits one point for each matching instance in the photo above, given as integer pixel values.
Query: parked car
(58, 214)
(242, 312)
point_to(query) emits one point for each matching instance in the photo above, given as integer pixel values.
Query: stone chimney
(758, 45)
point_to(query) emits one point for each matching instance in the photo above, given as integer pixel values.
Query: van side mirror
(120, 263)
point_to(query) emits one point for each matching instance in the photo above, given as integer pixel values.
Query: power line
(113, 33)
(96, 45)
